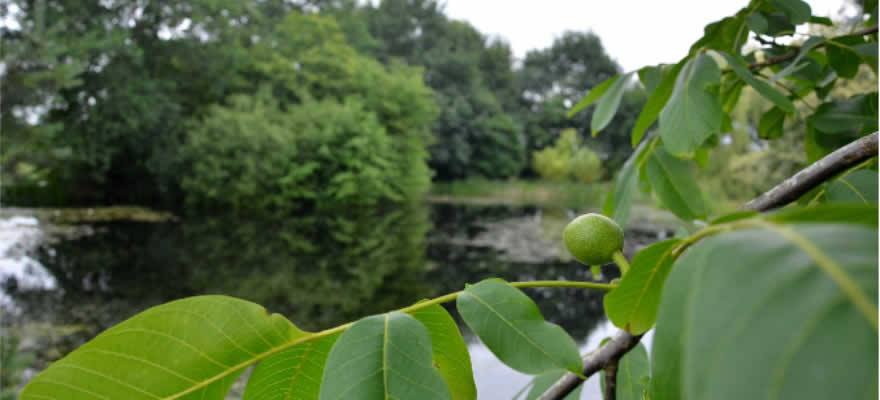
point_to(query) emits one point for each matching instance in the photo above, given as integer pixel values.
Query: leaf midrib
(512, 326)
(650, 279)
(832, 269)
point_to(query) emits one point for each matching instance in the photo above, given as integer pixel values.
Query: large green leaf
(656, 102)
(857, 187)
(772, 24)
(595, 94)
(693, 112)
(772, 312)
(451, 355)
(674, 183)
(633, 375)
(650, 77)
(854, 115)
(512, 327)
(632, 306)
(542, 382)
(727, 34)
(844, 59)
(192, 348)
(608, 104)
(830, 212)
(797, 11)
(294, 373)
(386, 356)
(739, 66)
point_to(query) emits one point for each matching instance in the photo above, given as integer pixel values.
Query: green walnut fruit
(592, 239)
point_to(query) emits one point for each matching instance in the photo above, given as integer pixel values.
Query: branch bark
(619, 345)
(611, 379)
(789, 190)
(802, 182)
(788, 56)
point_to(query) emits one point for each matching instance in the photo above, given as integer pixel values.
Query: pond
(63, 284)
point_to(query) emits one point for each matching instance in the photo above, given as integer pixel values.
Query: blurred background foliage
(201, 106)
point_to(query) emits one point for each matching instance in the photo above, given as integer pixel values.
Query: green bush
(569, 160)
(328, 129)
(251, 155)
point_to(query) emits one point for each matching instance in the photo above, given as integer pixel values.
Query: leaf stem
(621, 262)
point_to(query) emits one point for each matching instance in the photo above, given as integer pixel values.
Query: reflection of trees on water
(455, 263)
(317, 270)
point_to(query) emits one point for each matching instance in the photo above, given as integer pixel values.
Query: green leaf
(650, 77)
(596, 270)
(512, 327)
(857, 187)
(294, 373)
(632, 306)
(674, 183)
(852, 116)
(757, 22)
(821, 21)
(769, 92)
(771, 124)
(384, 356)
(633, 374)
(594, 95)
(728, 34)
(797, 11)
(694, 111)
(775, 312)
(619, 202)
(542, 382)
(450, 352)
(608, 104)
(734, 216)
(731, 89)
(656, 102)
(193, 348)
(829, 213)
(804, 50)
(773, 24)
(844, 59)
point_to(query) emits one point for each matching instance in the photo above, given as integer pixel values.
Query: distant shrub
(251, 155)
(568, 160)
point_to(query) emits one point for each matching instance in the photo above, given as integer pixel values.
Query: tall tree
(555, 78)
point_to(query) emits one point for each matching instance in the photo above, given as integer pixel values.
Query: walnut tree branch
(611, 351)
(790, 55)
(802, 182)
(611, 379)
(786, 192)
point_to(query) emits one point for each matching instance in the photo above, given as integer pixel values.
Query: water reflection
(319, 271)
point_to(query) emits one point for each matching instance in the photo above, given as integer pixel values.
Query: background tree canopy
(183, 103)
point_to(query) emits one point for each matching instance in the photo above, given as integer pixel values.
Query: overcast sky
(635, 33)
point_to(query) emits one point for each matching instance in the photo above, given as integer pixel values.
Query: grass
(521, 192)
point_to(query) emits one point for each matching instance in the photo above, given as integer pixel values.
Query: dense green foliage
(773, 305)
(112, 102)
(568, 160)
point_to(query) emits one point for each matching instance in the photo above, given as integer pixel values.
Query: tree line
(278, 105)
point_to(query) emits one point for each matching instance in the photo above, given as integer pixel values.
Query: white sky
(635, 33)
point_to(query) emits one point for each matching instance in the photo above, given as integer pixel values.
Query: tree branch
(789, 190)
(611, 379)
(788, 56)
(802, 182)
(610, 352)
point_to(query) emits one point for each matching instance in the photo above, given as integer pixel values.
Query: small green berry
(592, 239)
